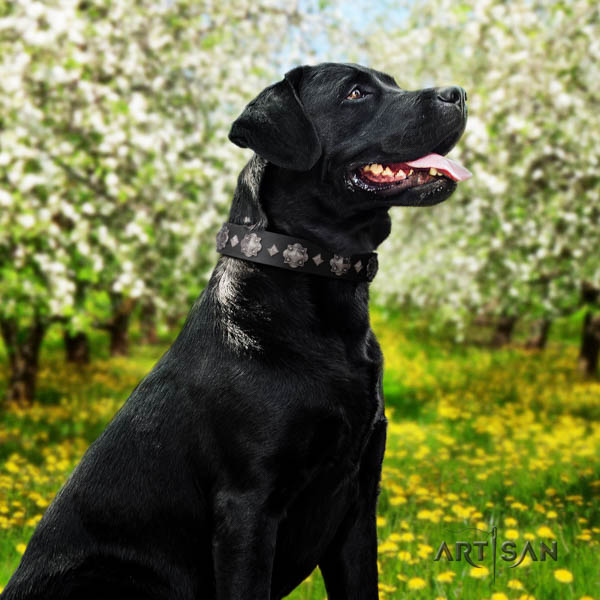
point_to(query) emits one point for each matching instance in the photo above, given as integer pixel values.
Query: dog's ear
(276, 126)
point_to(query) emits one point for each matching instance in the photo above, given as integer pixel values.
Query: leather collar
(287, 252)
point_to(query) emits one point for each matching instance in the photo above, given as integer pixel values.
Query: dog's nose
(452, 95)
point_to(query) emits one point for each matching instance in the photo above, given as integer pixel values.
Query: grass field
(477, 438)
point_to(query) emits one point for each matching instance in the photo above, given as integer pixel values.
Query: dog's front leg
(243, 547)
(349, 566)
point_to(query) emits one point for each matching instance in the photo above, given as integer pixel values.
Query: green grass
(477, 438)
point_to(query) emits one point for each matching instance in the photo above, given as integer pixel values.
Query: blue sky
(360, 15)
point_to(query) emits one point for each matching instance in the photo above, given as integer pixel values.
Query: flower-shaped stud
(339, 264)
(295, 255)
(250, 245)
(222, 237)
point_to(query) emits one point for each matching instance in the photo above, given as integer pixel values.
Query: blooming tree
(115, 167)
(522, 236)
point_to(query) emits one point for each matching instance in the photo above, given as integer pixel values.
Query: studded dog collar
(288, 252)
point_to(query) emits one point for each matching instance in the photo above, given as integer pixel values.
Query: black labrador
(252, 451)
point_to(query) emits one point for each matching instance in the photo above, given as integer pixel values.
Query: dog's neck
(249, 295)
(299, 204)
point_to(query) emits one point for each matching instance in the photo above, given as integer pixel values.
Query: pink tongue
(449, 167)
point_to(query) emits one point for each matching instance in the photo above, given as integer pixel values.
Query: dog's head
(364, 135)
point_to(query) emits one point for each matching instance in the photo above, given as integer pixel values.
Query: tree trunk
(539, 340)
(590, 344)
(23, 350)
(118, 327)
(119, 336)
(77, 348)
(148, 323)
(590, 294)
(173, 322)
(503, 332)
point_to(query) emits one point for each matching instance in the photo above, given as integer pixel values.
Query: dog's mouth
(399, 176)
(429, 177)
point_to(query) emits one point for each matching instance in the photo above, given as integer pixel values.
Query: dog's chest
(315, 515)
(359, 393)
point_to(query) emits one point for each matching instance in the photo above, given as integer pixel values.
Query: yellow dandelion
(21, 548)
(397, 500)
(515, 584)
(499, 596)
(446, 577)
(525, 562)
(545, 531)
(511, 534)
(510, 522)
(563, 575)
(416, 583)
(479, 572)
(388, 546)
(582, 597)
(404, 556)
(552, 514)
(33, 521)
(407, 537)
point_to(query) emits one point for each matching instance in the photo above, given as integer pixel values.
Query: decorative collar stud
(286, 252)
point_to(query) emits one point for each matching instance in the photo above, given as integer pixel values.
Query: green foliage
(115, 168)
(522, 235)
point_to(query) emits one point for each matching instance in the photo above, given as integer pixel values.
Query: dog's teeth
(411, 172)
(388, 172)
(376, 168)
(432, 171)
(400, 174)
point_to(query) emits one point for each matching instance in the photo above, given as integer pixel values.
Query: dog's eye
(355, 94)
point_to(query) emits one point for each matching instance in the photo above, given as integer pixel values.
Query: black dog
(252, 452)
